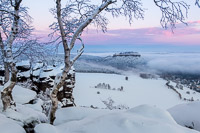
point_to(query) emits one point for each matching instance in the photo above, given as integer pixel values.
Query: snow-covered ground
(141, 119)
(136, 91)
(144, 101)
(9, 126)
(13, 120)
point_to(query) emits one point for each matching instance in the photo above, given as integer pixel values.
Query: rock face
(42, 78)
(1, 74)
(65, 93)
(24, 69)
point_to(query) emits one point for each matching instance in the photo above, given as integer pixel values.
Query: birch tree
(71, 22)
(14, 25)
(79, 14)
(172, 12)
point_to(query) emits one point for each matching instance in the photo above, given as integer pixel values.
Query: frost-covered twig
(71, 22)
(197, 2)
(172, 12)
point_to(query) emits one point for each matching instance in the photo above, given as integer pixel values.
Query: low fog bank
(183, 63)
(163, 62)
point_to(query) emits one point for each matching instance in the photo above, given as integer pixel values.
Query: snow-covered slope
(141, 119)
(187, 114)
(136, 91)
(186, 93)
(9, 126)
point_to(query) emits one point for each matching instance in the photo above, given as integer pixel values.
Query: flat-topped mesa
(134, 54)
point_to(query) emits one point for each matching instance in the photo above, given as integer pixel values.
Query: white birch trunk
(60, 79)
(6, 94)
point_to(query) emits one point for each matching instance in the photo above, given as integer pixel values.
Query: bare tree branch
(14, 22)
(79, 52)
(73, 19)
(197, 2)
(88, 21)
(172, 12)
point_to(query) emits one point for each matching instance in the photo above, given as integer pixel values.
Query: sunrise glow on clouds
(141, 32)
(182, 35)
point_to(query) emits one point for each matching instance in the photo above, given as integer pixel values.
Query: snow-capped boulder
(187, 114)
(24, 70)
(23, 95)
(23, 66)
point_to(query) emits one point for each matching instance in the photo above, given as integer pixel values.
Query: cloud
(188, 63)
(184, 35)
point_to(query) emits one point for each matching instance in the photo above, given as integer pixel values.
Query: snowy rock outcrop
(24, 69)
(1, 74)
(41, 78)
(65, 93)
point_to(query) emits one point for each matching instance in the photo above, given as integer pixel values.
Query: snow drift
(187, 114)
(141, 119)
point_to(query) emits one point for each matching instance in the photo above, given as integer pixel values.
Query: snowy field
(136, 91)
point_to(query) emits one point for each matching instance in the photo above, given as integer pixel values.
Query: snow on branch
(172, 12)
(79, 52)
(88, 21)
(78, 14)
(129, 8)
(29, 49)
(8, 14)
(197, 3)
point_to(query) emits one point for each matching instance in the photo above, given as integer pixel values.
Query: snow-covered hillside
(136, 91)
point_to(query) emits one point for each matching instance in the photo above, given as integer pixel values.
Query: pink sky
(182, 35)
(147, 31)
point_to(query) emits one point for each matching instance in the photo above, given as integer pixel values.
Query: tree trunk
(58, 83)
(7, 74)
(59, 80)
(4, 62)
(6, 94)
